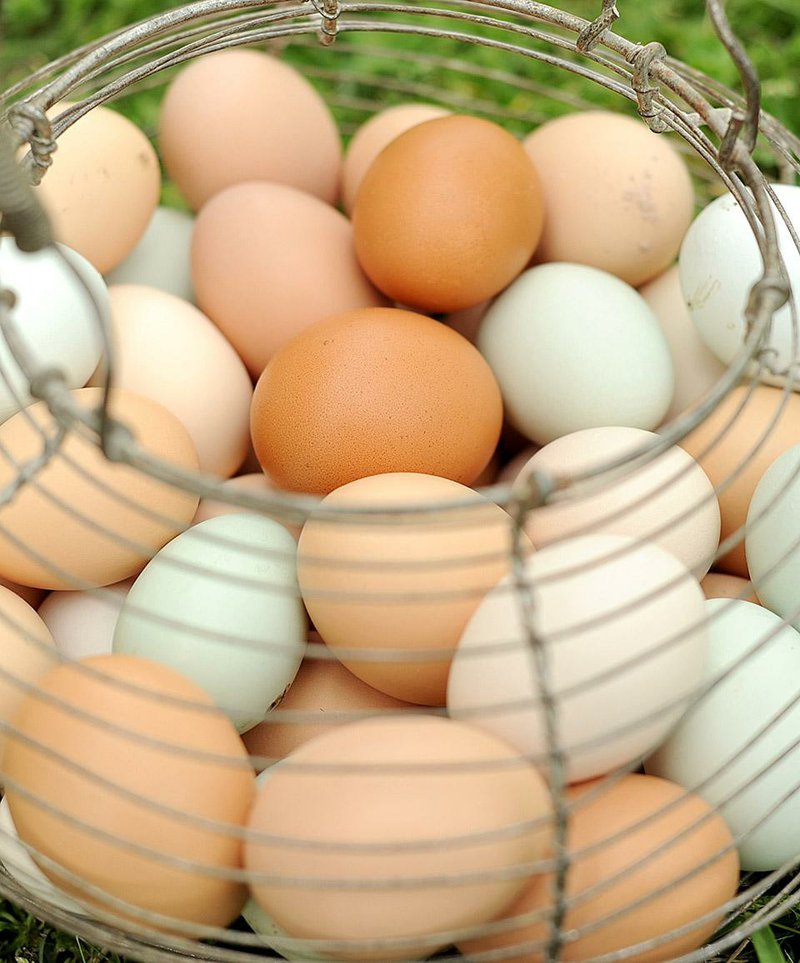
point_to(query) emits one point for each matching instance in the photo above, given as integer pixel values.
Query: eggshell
(719, 263)
(102, 188)
(448, 214)
(478, 811)
(371, 138)
(82, 623)
(169, 351)
(619, 198)
(211, 508)
(734, 446)
(323, 694)
(717, 585)
(275, 938)
(510, 471)
(645, 860)
(156, 781)
(27, 652)
(60, 311)
(84, 521)
(669, 501)
(33, 596)
(391, 596)
(573, 347)
(467, 321)
(773, 536)
(266, 121)
(268, 261)
(738, 746)
(163, 257)
(220, 604)
(622, 625)
(696, 368)
(430, 404)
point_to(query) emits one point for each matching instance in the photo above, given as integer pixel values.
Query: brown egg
(392, 599)
(448, 214)
(256, 482)
(614, 836)
(619, 197)
(27, 652)
(241, 115)
(83, 521)
(268, 261)
(324, 688)
(149, 784)
(103, 187)
(375, 134)
(33, 596)
(373, 391)
(745, 443)
(385, 802)
(717, 585)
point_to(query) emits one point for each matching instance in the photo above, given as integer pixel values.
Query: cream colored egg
(82, 623)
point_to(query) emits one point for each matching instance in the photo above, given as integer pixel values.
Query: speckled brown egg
(373, 391)
(448, 214)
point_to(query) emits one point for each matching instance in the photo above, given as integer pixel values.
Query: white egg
(83, 623)
(622, 628)
(163, 257)
(739, 747)
(220, 604)
(574, 347)
(719, 263)
(60, 311)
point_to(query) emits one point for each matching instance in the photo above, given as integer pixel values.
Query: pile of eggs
(337, 726)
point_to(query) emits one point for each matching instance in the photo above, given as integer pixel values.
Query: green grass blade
(766, 946)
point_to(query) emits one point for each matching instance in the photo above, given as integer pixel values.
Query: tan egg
(448, 214)
(27, 652)
(33, 596)
(84, 521)
(622, 888)
(103, 187)
(375, 134)
(256, 482)
(268, 261)
(696, 368)
(718, 585)
(735, 446)
(488, 475)
(619, 197)
(467, 321)
(323, 694)
(669, 501)
(169, 351)
(139, 757)
(430, 404)
(392, 598)
(242, 115)
(419, 799)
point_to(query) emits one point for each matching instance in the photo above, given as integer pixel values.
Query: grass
(33, 32)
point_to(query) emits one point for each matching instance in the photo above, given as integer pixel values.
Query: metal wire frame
(662, 89)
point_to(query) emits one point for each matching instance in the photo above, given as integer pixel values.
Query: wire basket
(718, 130)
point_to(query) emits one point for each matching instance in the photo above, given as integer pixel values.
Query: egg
(392, 595)
(773, 536)
(84, 521)
(322, 695)
(645, 861)
(430, 404)
(719, 263)
(622, 626)
(122, 776)
(573, 347)
(448, 214)
(61, 308)
(734, 446)
(268, 261)
(163, 257)
(82, 623)
(255, 482)
(696, 368)
(168, 350)
(669, 501)
(619, 198)
(220, 604)
(102, 188)
(428, 826)
(737, 747)
(375, 134)
(718, 585)
(265, 120)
